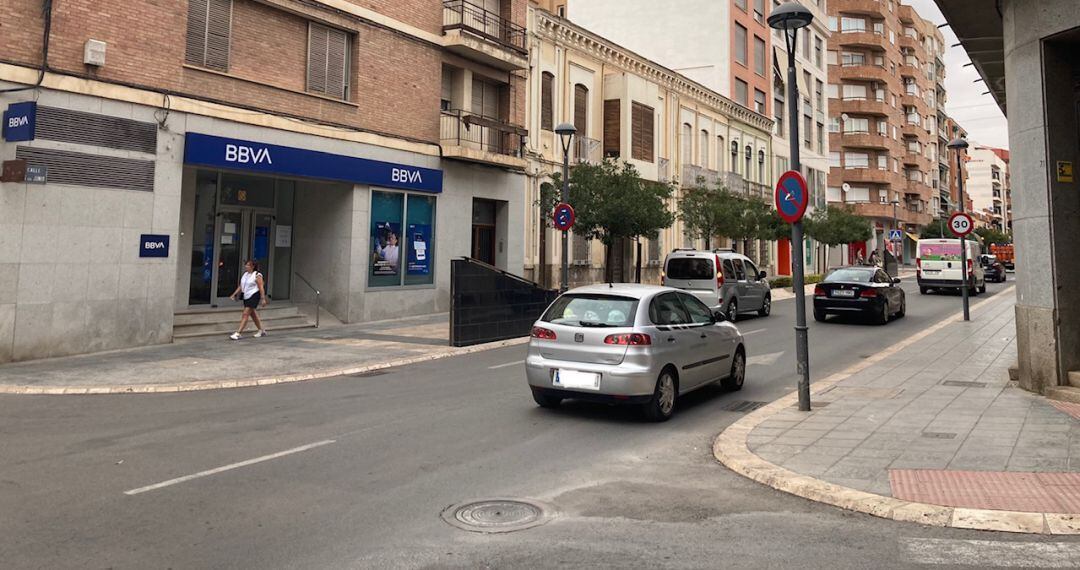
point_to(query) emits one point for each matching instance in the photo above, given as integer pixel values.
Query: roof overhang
(979, 25)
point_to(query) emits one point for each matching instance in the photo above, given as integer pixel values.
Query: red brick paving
(996, 490)
(1067, 407)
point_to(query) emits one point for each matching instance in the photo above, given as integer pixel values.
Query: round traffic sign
(563, 216)
(961, 224)
(791, 196)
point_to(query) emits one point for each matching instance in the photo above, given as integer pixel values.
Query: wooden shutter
(581, 110)
(317, 48)
(641, 132)
(612, 128)
(209, 27)
(337, 53)
(547, 96)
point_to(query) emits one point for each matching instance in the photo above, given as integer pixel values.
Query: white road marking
(765, 359)
(748, 333)
(990, 553)
(507, 365)
(229, 467)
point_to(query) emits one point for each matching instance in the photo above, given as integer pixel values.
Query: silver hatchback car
(631, 344)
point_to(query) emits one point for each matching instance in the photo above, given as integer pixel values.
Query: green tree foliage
(933, 230)
(991, 235)
(835, 225)
(709, 211)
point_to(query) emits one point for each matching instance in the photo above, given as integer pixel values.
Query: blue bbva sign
(19, 121)
(221, 152)
(154, 245)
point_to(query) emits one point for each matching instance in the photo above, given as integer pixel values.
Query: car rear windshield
(939, 251)
(689, 268)
(592, 311)
(856, 275)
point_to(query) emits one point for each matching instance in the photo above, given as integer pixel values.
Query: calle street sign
(791, 196)
(563, 216)
(961, 224)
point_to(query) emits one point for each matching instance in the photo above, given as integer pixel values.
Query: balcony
(663, 170)
(865, 8)
(908, 70)
(861, 107)
(481, 35)
(699, 175)
(862, 39)
(587, 151)
(885, 211)
(865, 72)
(860, 140)
(912, 130)
(871, 175)
(911, 43)
(475, 138)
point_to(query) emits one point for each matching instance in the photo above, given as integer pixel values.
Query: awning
(912, 236)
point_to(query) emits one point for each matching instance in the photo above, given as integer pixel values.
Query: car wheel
(733, 311)
(819, 316)
(734, 382)
(924, 290)
(545, 400)
(766, 306)
(883, 318)
(903, 308)
(982, 288)
(662, 404)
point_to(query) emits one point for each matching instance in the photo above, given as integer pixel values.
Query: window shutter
(647, 134)
(337, 65)
(318, 37)
(612, 127)
(195, 52)
(218, 30)
(547, 96)
(642, 132)
(581, 110)
(635, 132)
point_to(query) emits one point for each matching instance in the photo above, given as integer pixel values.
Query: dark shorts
(252, 302)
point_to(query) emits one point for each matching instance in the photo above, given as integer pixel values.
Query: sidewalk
(222, 363)
(930, 431)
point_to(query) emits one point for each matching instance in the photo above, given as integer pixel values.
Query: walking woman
(251, 286)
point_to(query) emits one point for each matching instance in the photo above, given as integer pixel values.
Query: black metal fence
(460, 14)
(488, 304)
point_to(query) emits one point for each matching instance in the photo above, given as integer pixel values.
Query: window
(833, 90)
(857, 125)
(687, 142)
(485, 98)
(808, 130)
(850, 58)
(741, 4)
(832, 24)
(882, 162)
(388, 211)
(819, 95)
(547, 101)
(852, 24)
(703, 149)
(741, 92)
(602, 310)
(666, 309)
(209, 28)
(856, 160)
(740, 44)
(820, 138)
(818, 47)
(806, 44)
(761, 165)
(854, 91)
(581, 110)
(699, 313)
(834, 159)
(720, 150)
(328, 61)
(759, 56)
(759, 11)
(740, 271)
(641, 132)
(834, 124)
(612, 129)
(446, 96)
(759, 101)
(778, 116)
(831, 57)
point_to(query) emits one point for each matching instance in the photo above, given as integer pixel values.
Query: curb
(249, 382)
(730, 449)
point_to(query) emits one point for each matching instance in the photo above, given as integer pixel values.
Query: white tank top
(248, 284)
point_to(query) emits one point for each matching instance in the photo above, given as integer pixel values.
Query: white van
(938, 266)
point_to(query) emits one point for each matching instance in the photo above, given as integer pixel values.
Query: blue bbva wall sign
(19, 121)
(154, 245)
(221, 152)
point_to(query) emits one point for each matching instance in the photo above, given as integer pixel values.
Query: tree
(709, 211)
(612, 202)
(936, 229)
(835, 225)
(992, 235)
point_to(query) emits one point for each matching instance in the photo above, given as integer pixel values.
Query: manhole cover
(497, 515)
(743, 406)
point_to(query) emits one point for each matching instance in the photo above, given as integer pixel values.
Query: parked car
(631, 344)
(722, 279)
(993, 270)
(938, 266)
(866, 291)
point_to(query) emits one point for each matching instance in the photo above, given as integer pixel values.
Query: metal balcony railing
(663, 170)
(586, 150)
(463, 15)
(471, 130)
(693, 175)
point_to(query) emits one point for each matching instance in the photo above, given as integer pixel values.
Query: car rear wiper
(594, 324)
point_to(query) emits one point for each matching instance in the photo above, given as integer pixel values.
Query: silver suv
(722, 279)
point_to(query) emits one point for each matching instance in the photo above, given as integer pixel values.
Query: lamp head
(958, 144)
(790, 16)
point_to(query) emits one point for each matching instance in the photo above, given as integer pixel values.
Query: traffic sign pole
(791, 200)
(961, 224)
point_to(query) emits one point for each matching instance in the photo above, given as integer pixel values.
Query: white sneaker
(260, 333)
(235, 336)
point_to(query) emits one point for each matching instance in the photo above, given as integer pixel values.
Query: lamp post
(896, 252)
(566, 133)
(959, 145)
(789, 18)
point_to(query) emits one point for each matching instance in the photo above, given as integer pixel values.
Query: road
(354, 472)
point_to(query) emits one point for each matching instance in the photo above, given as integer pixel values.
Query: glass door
(241, 234)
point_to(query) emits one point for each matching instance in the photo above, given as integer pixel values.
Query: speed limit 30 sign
(961, 224)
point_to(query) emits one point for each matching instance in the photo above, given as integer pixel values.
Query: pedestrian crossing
(991, 553)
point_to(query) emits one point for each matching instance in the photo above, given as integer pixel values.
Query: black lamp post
(959, 145)
(566, 133)
(789, 18)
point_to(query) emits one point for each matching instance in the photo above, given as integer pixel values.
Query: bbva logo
(404, 175)
(16, 122)
(247, 154)
(154, 245)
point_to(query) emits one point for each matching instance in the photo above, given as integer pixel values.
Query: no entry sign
(791, 196)
(961, 224)
(563, 216)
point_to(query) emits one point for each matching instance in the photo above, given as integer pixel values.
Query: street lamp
(566, 133)
(790, 17)
(959, 145)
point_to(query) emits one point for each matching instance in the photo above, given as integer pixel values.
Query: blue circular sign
(563, 216)
(791, 196)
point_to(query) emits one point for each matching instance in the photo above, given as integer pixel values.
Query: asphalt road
(354, 472)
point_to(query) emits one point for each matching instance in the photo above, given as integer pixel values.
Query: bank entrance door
(241, 234)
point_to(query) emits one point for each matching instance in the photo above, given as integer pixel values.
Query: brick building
(344, 145)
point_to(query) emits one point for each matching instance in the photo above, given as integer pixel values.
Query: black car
(993, 269)
(866, 291)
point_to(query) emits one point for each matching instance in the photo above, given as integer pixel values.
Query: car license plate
(577, 379)
(843, 293)
(931, 271)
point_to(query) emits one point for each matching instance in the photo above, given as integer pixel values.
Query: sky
(976, 113)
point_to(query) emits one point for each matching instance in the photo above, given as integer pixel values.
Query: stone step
(224, 328)
(230, 314)
(1064, 394)
(1074, 379)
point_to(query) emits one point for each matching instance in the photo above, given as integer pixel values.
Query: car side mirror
(896, 280)
(761, 276)
(718, 316)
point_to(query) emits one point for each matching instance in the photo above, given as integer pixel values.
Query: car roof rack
(724, 250)
(683, 249)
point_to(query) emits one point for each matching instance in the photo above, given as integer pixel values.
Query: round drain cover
(496, 515)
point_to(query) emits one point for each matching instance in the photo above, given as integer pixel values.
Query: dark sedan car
(865, 291)
(994, 269)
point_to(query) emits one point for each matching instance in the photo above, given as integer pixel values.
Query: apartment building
(625, 106)
(886, 87)
(948, 170)
(348, 147)
(988, 184)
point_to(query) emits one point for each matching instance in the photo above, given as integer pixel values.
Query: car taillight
(663, 279)
(819, 291)
(868, 293)
(918, 265)
(971, 267)
(629, 339)
(542, 333)
(719, 273)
